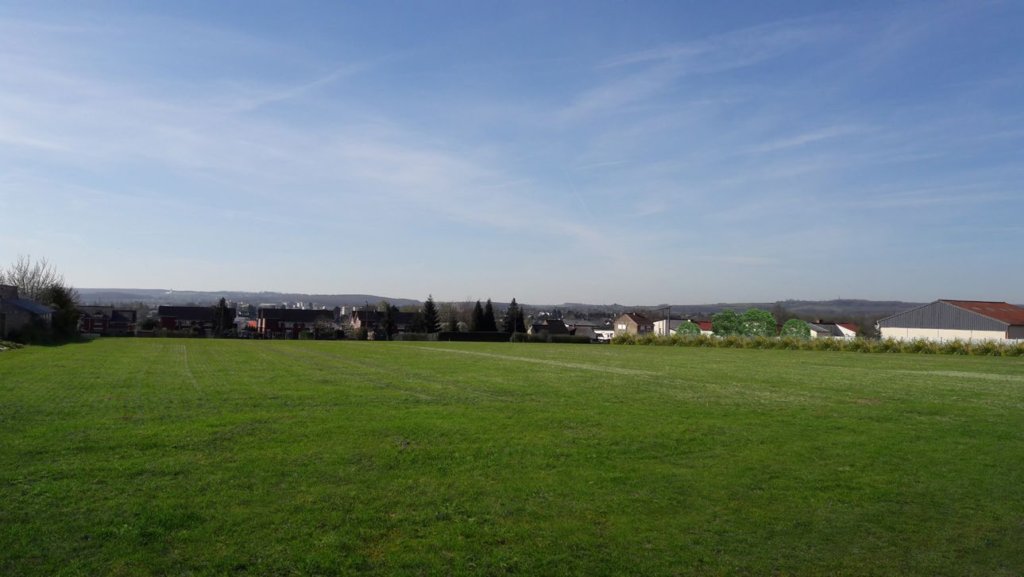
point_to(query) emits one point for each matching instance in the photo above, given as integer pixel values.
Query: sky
(601, 152)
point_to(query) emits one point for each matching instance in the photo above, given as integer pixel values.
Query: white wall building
(947, 320)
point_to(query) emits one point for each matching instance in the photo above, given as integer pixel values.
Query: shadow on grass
(49, 343)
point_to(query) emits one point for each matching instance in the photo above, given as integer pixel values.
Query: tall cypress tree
(476, 322)
(389, 322)
(513, 321)
(220, 318)
(490, 324)
(430, 317)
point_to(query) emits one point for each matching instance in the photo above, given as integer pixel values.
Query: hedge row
(490, 337)
(956, 347)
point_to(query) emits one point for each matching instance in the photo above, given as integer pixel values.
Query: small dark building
(16, 313)
(289, 323)
(549, 327)
(199, 320)
(103, 320)
(373, 321)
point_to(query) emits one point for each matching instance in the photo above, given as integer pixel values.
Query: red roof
(999, 311)
(704, 325)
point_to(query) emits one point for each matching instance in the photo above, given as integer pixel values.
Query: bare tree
(40, 282)
(33, 279)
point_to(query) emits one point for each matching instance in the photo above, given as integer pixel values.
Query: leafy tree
(419, 323)
(476, 321)
(726, 323)
(782, 314)
(867, 327)
(490, 323)
(431, 321)
(796, 328)
(389, 319)
(64, 301)
(389, 323)
(325, 329)
(688, 329)
(757, 323)
(514, 321)
(450, 313)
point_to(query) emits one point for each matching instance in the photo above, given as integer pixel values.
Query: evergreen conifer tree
(513, 321)
(476, 322)
(430, 316)
(490, 323)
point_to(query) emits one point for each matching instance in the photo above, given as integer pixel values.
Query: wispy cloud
(264, 97)
(736, 48)
(662, 66)
(810, 137)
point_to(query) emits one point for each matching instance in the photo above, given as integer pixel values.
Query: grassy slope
(135, 457)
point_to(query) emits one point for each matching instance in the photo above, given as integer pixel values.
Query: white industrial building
(947, 320)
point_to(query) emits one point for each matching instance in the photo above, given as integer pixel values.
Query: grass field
(200, 457)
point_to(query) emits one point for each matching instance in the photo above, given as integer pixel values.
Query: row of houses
(269, 322)
(942, 320)
(638, 324)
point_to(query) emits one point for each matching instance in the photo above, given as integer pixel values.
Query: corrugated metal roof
(999, 311)
(944, 315)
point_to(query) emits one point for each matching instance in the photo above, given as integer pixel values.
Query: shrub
(862, 346)
(624, 339)
(569, 339)
(688, 329)
(859, 345)
(989, 348)
(796, 328)
(956, 347)
(412, 337)
(922, 346)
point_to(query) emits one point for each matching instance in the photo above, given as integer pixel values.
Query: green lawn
(198, 457)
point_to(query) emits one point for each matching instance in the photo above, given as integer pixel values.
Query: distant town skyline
(597, 152)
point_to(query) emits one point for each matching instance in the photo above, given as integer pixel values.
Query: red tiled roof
(999, 311)
(704, 325)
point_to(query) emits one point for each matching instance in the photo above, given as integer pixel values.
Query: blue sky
(630, 152)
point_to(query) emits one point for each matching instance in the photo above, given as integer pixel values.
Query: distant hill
(837, 308)
(173, 297)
